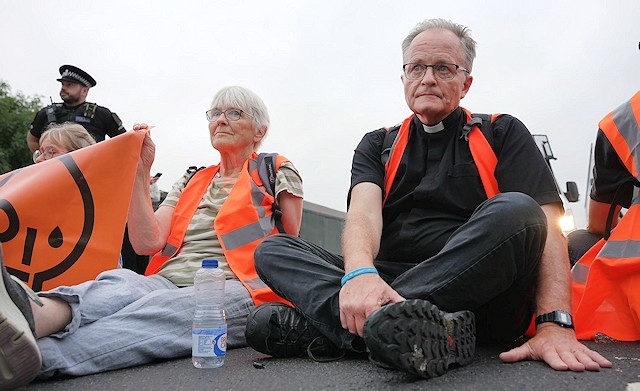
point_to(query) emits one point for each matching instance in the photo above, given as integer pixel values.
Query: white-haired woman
(122, 318)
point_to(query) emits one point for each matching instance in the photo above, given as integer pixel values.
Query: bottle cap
(209, 263)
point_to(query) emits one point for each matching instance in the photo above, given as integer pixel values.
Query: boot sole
(20, 359)
(417, 337)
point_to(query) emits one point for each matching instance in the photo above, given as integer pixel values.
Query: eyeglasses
(441, 71)
(47, 153)
(230, 114)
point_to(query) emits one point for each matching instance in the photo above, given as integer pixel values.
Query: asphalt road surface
(246, 369)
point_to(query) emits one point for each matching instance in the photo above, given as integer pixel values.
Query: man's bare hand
(559, 348)
(362, 295)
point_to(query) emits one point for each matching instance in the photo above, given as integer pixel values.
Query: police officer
(99, 121)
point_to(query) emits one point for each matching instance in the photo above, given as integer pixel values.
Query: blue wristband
(357, 272)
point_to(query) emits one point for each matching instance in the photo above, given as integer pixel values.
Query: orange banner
(62, 220)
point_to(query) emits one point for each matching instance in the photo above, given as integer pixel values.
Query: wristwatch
(559, 317)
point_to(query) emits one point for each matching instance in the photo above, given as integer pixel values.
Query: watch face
(563, 317)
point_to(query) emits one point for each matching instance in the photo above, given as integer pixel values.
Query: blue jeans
(124, 319)
(489, 266)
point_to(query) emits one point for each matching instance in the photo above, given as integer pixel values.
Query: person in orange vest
(613, 183)
(606, 274)
(124, 319)
(453, 239)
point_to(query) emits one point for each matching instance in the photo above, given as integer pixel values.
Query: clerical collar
(452, 121)
(433, 128)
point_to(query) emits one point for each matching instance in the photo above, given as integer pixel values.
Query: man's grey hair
(247, 101)
(462, 32)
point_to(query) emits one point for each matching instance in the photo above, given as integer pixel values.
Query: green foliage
(16, 113)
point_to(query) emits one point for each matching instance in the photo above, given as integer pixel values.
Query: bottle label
(209, 342)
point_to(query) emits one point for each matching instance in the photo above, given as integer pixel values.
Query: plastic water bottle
(209, 332)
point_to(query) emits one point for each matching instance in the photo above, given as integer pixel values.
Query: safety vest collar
(623, 131)
(483, 155)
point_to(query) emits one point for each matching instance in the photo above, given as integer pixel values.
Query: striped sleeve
(288, 179)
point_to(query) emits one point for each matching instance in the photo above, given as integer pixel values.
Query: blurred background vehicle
(567, 222)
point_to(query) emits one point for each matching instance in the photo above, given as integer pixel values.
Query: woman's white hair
(247, 101)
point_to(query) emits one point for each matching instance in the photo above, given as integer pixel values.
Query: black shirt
(437, 185)
(610, 174)
(99, 121)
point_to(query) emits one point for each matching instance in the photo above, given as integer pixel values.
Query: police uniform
(99, 121)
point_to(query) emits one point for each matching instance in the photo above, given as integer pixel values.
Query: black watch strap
(561, 318)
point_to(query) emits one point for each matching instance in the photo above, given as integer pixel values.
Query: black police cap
(76, 75)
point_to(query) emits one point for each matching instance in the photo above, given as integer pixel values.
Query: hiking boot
(19, 354)
(279, 330)
(418, 338)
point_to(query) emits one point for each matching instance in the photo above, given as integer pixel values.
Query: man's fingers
(592, 361)
(521, 353)
(598, 358)
(513, 355)
(360, 325)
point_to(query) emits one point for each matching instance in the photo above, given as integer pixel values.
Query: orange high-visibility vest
(245, 219)
(483, 155)
(606, 279)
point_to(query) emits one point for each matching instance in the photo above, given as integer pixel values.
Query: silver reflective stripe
(255, 283)
(627, 125)
(169, 250)
(580, 273)
(247, 234)
(620, 249)
(267, 223)
(256, 230)
(257, 196)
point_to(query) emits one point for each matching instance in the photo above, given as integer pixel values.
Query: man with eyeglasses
(447, 239)
(74, 88)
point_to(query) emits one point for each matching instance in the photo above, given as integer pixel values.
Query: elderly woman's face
(48, 150)
(231, 129)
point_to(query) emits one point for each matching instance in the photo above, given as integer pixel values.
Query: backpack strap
(191, 171)
(267, 171)
(388, 142)
(485, 124)
(482, 150)
(267, 174)
(618, 197)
